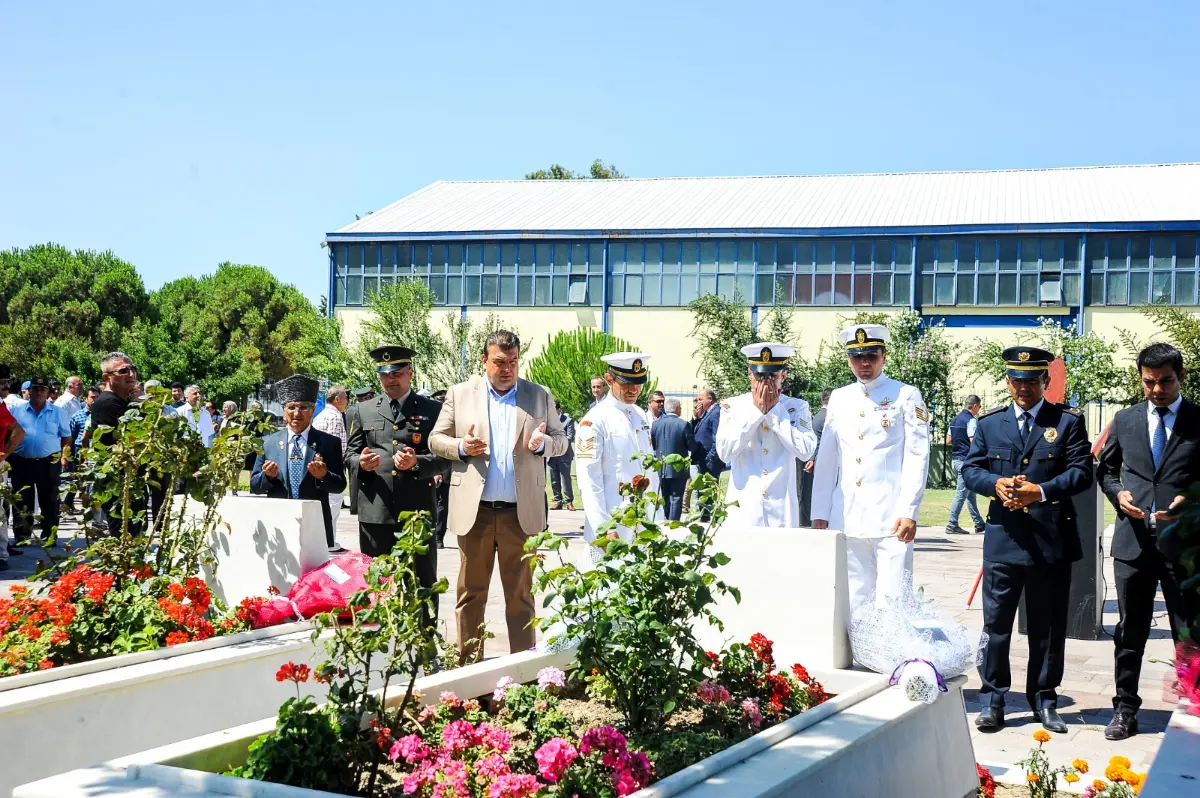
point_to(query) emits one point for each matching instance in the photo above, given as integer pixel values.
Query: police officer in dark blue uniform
(1030, 457)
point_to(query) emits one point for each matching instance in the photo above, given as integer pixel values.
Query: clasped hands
(316, 467)
(1017, 492)
(1125, 500)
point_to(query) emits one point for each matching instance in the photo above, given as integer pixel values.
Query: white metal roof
(1068, 196)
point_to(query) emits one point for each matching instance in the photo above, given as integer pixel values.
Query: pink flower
(554, 758)
(625, 782)
(492, 767)
(712, 693)
(458, 736)
(639, 765)
(470, 705)
(426, 714)
(551, 677)
(515, 786)
(502, 687)
(493, 737)
(751, 712)
(448, 699)
(603, 739)
(410, 748)
(1089, 792)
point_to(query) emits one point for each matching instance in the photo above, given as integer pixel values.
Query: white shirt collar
(1173, 407)
(873, 384)
(1032, 412)
(303, 436)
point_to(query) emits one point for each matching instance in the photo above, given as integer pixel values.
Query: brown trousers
(497, 534)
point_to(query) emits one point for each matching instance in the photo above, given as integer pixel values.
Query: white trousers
(876, 565)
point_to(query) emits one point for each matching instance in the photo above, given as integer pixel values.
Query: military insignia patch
(637, 365)
(860, 336)
(922, 414)
(1023, 356)
(765, 354)
(416, 438)
(585, 423)
(884, 422)
(791, 410)
(1051, 435)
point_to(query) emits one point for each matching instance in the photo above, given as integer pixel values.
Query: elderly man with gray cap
(298, 461)
(871, 467)
(761, 435)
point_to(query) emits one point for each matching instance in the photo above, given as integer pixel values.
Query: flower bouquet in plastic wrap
(911, 638)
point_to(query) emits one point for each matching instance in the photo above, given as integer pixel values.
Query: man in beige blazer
(497, 431)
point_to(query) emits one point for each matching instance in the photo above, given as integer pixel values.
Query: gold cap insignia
(637, 365)
(766, 353)
(1023, 356)
(861, 336)
(387, 355)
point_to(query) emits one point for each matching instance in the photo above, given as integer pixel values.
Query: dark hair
(597, 377)
(1159, 355)
(658, 393)
(971, 401)
(502, 339)
(178, 385)
(96, 388)
(825, 394)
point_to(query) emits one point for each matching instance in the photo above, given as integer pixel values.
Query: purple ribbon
(896, 674)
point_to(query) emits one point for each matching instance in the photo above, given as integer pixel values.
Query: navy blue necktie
(296, 467)
(1159, 444)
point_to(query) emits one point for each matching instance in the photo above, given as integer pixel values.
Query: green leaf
(669, 706)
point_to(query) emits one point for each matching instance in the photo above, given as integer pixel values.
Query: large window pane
(1160, 293)
(988, 254)
(1029, 289)
(1029, 255)
(633, 290)
(354, 290)
(596, 259)
(862, 288)
(842, 254)
(670, 291)
(654, 256)
(966, 290)
(1071, 284)
(491, 259)
(1006, 290)
(708, 284)
(339, 291)
(471, 284)
(725, 286)
(727, 257)
(691, 253)
(524, 289)
(561, 289)
(785, 256)
(783, 289)
(883, 254)
(437, 259)
(1051, 254)
(882, 289)
(944, 292)
(454, 258)
(1118, 252)
(579, 256)
(824, 257)
(1139, 252)
(766, 255)
(596, 289)
(903, 253)
(1095, 254)
(926, 289)
(1139, 288)
(474, 260)
(745, 257)
(966, 255)
(862, 257)
(1095, 288)
(438, 286)
(356, 260)
(986, 290)
(765, 289)
(616, 288)
(634, 256)
(525, 257)
(508, 258)
(1118, 288)
(823, 290)
(541, 257)
(491, 289)
(842, 289)
(687, 288)
(1164, 252)
(508, 290)
(708, 258)
(650, 290)
(1071, 247)
(903, 287)
(1185, 252)
(926, 255)
(1008, 255)
(1185, 288)
(804, 289)
(745, 284)
(945, 255)
(454, 290)
(804, 255)
(541, 291)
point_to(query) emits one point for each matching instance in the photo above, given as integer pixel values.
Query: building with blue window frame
(987, 252)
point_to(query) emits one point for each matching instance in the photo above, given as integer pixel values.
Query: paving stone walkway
(946, 567)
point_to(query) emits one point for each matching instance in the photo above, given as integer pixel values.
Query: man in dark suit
(361, 395)
(1151, 457)
(560, 467)
(704, 434)
(670, 434)
(299, 461)
(805, 473)
(1031, 456)
(390, 444)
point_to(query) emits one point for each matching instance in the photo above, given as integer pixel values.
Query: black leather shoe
(990, 719)
(15, 551)
(1122, 726)
(1051, 721)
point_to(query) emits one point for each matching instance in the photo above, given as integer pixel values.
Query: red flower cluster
(780, 690)
(175, 638)
(762, 648)
(987, 785)
(94, 584)
(291, 672)
(188, 617)
(382, 734)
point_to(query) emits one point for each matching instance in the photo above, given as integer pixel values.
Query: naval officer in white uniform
(870, 473)
(607, 441)
(761, 435)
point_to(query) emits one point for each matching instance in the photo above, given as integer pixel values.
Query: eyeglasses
(657, 401)
(124, 371)
(301, 407)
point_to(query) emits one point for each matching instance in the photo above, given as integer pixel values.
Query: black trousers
(560, 479)
(43, 477)
(1137, 584)
(352, 482)
(672, 489)
(1047, 589)
(443, 508)
(377, 539)
(806, 486)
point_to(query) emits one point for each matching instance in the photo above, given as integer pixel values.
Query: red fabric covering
(322, 589)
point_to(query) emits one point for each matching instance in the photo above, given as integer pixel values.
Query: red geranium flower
(800, 672)
(175, 638)
(176, 591)
(45, 665)
(291, 672)
(762, 647)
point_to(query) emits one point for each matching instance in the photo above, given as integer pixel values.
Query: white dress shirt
(1152, 419)
(199, 420)
(69, 403)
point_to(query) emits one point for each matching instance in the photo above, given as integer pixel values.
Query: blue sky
(180, 137)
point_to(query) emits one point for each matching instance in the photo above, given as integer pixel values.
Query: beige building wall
(351, 319)
(666, 335)
(1109, 322)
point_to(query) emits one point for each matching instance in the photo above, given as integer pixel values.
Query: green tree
(461, 357)
(721, 327)
(1092, 374)
(598, 171)
(228, 332)
(568, 362)
(1182, 330)
(61, 310)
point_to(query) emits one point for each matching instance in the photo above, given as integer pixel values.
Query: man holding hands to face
(1031, 456)
(300, 462)
(389, 442)
(497, 430)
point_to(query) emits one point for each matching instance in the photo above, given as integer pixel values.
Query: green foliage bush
(568, 362)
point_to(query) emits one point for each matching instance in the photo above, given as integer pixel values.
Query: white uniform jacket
(874, 457)
(761, 450)
(606, 441)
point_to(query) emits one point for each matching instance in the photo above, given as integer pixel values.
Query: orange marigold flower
(1098, 785)
(1080, 765)
(1033, 778)
(1070, 778)
(1042, 736)
(1114, 772)
(1120, 760)
(1134, 779)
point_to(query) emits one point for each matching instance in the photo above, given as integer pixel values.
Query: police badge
(1051, 435)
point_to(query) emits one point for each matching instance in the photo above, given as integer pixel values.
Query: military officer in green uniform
(389, 444)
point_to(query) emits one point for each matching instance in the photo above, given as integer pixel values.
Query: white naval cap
(767, 357)
(863, 338)
(627, 367)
